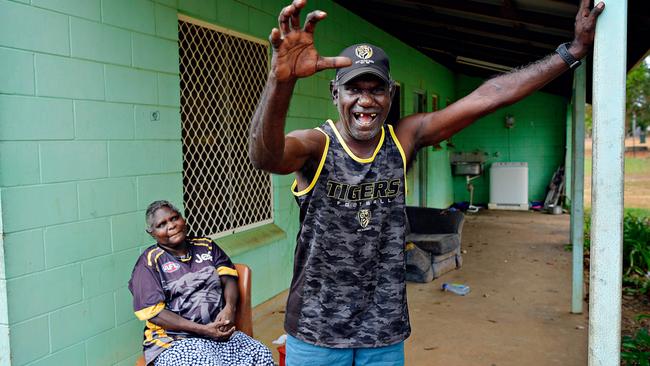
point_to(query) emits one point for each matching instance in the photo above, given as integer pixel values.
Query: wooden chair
(244, 316)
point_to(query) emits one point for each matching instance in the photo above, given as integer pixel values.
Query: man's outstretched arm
(431, 128)
(294, 56)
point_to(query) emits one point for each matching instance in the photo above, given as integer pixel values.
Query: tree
(637, 99)
(638, 95)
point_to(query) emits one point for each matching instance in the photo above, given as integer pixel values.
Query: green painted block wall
(80, 159)
(538, 138)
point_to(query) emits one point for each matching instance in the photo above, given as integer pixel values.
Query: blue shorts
(301, 353)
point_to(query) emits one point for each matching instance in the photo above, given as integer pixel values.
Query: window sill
(245, 241)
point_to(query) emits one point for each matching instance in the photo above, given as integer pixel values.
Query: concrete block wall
(538, 138)
(80, 158)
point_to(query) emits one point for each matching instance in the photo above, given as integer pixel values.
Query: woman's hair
(155, 206)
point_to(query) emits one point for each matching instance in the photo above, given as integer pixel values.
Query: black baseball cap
(366, 59)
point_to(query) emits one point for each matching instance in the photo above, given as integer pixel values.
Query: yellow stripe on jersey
(151, 327)
(155, 260)
(203, 245)
(401, 152)
(148, 334)
(347, 149)
(149, 255)
(162, 344)
(150, 312)
(223, 270)
(320, 168)
(202, 240)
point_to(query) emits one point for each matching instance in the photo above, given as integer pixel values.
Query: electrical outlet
(155, 116)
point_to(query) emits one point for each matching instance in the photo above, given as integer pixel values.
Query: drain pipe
(577, 186)
(607, 186)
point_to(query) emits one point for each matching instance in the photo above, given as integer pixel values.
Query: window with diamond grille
(222, 76)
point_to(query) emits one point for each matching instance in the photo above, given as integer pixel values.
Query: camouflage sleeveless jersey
(348, 288)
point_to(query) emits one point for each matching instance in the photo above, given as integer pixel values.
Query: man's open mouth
(364, 117)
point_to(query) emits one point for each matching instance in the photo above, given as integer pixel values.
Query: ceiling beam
(410, 19)
(499, 56)
(471, 9)
(477, 45)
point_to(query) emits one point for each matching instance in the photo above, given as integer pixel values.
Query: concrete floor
(517, 312)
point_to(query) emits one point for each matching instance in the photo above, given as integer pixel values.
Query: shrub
(636, 251)
(636, 350)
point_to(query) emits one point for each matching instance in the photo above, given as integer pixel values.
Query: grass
(632, 165)
(637, 166)
(638, 212)
(636, 184)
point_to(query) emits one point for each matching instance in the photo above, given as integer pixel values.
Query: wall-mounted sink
(467, 163)
(467, 168)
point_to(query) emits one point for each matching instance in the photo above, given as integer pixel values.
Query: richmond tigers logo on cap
(363, 51)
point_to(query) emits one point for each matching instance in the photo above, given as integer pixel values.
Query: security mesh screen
(222, 77)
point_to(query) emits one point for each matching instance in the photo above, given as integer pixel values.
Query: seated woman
(185, 289)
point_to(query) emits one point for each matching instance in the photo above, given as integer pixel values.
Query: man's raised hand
(294, 54)
(585, 28)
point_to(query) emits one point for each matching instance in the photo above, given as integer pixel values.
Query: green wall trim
(245, 241)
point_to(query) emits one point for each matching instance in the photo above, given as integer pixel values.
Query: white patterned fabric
(240, 350)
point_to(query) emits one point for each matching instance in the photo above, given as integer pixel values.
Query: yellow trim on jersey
(155, 259)
(202, 241)
(401, 152)
(150, 312)
(320, 168)
(347, 149)
(203, 245)
(223, 270)
(148, 334)
(151, 327)
(149, 255)
(160, 343)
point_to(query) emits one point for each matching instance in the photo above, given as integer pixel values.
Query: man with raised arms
(347, 300)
